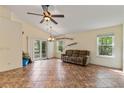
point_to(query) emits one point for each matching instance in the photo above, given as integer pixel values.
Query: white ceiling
(77, 17)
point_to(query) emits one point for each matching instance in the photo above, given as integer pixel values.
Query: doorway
(39, 49)
(44, 49)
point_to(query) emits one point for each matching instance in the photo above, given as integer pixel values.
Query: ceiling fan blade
(42, 21)
(57, 36)
(45, 7)
(34, 14)
(57, 15)
(64, 38)
(53, 21)
(75, 43)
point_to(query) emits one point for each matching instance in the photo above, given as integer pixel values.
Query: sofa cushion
(76, 51)
(80, 55)
(69, 52)
(75, 55)
(85, 52)
(79, 60)
(65, 58)
(72, 59)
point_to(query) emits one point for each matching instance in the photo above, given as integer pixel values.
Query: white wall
(10, 45)
(87, 40)
(11, 27)
(5, 13)
(10, 41)
(32, 32)
(29, 30)
(50, 49)
(123, 48)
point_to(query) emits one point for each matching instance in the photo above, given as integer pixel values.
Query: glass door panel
(44, 49)
(36, 49)
(39, 49)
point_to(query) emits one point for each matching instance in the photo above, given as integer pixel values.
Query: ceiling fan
(52, 38)
(64, 38)
(47, 16)
(58, 37)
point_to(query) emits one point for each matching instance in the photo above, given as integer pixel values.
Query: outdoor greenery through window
(105, 45)
(60, 46)
(37, 48)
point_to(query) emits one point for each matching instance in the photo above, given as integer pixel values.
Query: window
(60, 46)
(105, 45)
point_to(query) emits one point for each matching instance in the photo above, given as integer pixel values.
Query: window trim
(113, 45)
(58, 46)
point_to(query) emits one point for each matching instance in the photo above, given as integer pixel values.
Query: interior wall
(123, 48)
(87, 41)
(5, 13)
(13, 27)
(50, 50)
(10, 45)
(30, 31)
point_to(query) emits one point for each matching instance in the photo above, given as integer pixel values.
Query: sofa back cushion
(84, 53)
(69, 52)
(77, 53)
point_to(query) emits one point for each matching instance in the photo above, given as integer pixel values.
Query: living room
(84, 33)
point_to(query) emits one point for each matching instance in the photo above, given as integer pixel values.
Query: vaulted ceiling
(77, 17)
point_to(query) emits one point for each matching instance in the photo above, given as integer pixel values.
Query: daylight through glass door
(39, 49)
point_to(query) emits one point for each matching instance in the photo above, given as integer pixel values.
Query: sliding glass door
(44, 49)
(36, 49)
(39, 49)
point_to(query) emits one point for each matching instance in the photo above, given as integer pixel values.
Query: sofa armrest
(62, 55)
(88, 60)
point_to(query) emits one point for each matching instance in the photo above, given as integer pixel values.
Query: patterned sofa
(76, 56)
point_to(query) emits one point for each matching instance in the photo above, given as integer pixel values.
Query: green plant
(25, 55)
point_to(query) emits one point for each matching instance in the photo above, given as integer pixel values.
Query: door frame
(40, 54)
(30, 46)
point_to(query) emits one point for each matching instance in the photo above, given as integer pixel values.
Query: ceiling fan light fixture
(47, 18)
(51, 38)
